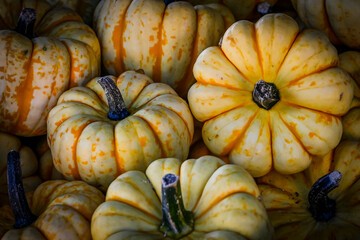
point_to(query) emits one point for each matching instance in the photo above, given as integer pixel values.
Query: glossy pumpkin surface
(350, 62)
(286, 198)
(87, 145)
(222, 198)
(270, 96)
(162, 40)
(64, 53)
(338, 19)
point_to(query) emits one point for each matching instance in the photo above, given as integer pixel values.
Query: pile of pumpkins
(195, 119)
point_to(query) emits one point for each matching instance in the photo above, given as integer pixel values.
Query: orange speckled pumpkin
(338, 19)
(270, 96)
(57, 209)
(55, 52)
(350, 62)
(198, 199)
(89, 141)
(162, 40)
(309, 206)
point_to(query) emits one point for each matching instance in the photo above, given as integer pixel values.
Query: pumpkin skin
(34, 72)
(132, 209)
(338, 19)
(64, 209)
(242, 9)
(312, 94)
(162, 40)
(350, 62)
(285, 198)
(86, 145)
(29, 165)
(85, 8)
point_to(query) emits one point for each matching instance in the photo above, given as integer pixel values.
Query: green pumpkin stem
(265, 94)
(176, 221)
(117, 108)
(321, 206)
(18, 202)
(26, 22)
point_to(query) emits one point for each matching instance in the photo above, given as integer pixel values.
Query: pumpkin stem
(26, 22)
(265, 94)
(117, 108)
(321, 206)
(264, 8)
(18, 202)
(176, 221)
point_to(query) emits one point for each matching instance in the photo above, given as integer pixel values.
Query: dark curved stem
(18, 202)
(117, 108)
(176, 221)
(265, 94)
(26, 22)
(321, 206)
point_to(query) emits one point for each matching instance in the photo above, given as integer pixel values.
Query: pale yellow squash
(270, 96)
(218, 200)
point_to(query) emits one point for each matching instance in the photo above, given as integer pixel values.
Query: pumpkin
(338, 19)
(320, 203)
(46, 52)
(270, 96)
(96, 135)
(198, 199)
(242, 9)
(85, 8)
(350, 62)
(28, 161)
(64, 209)
(163, 40)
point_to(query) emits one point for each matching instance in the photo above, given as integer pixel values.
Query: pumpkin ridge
(24, 102)
(316, 71)
(218, 201)
(188, 78)
(296, 136)
(163, 154)
(181, 116)
(243, 75)
(120, 52)
(66, 219)
(230, 146)
(52, 85)
(257, 49)
(123, 214)
(127, 202)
